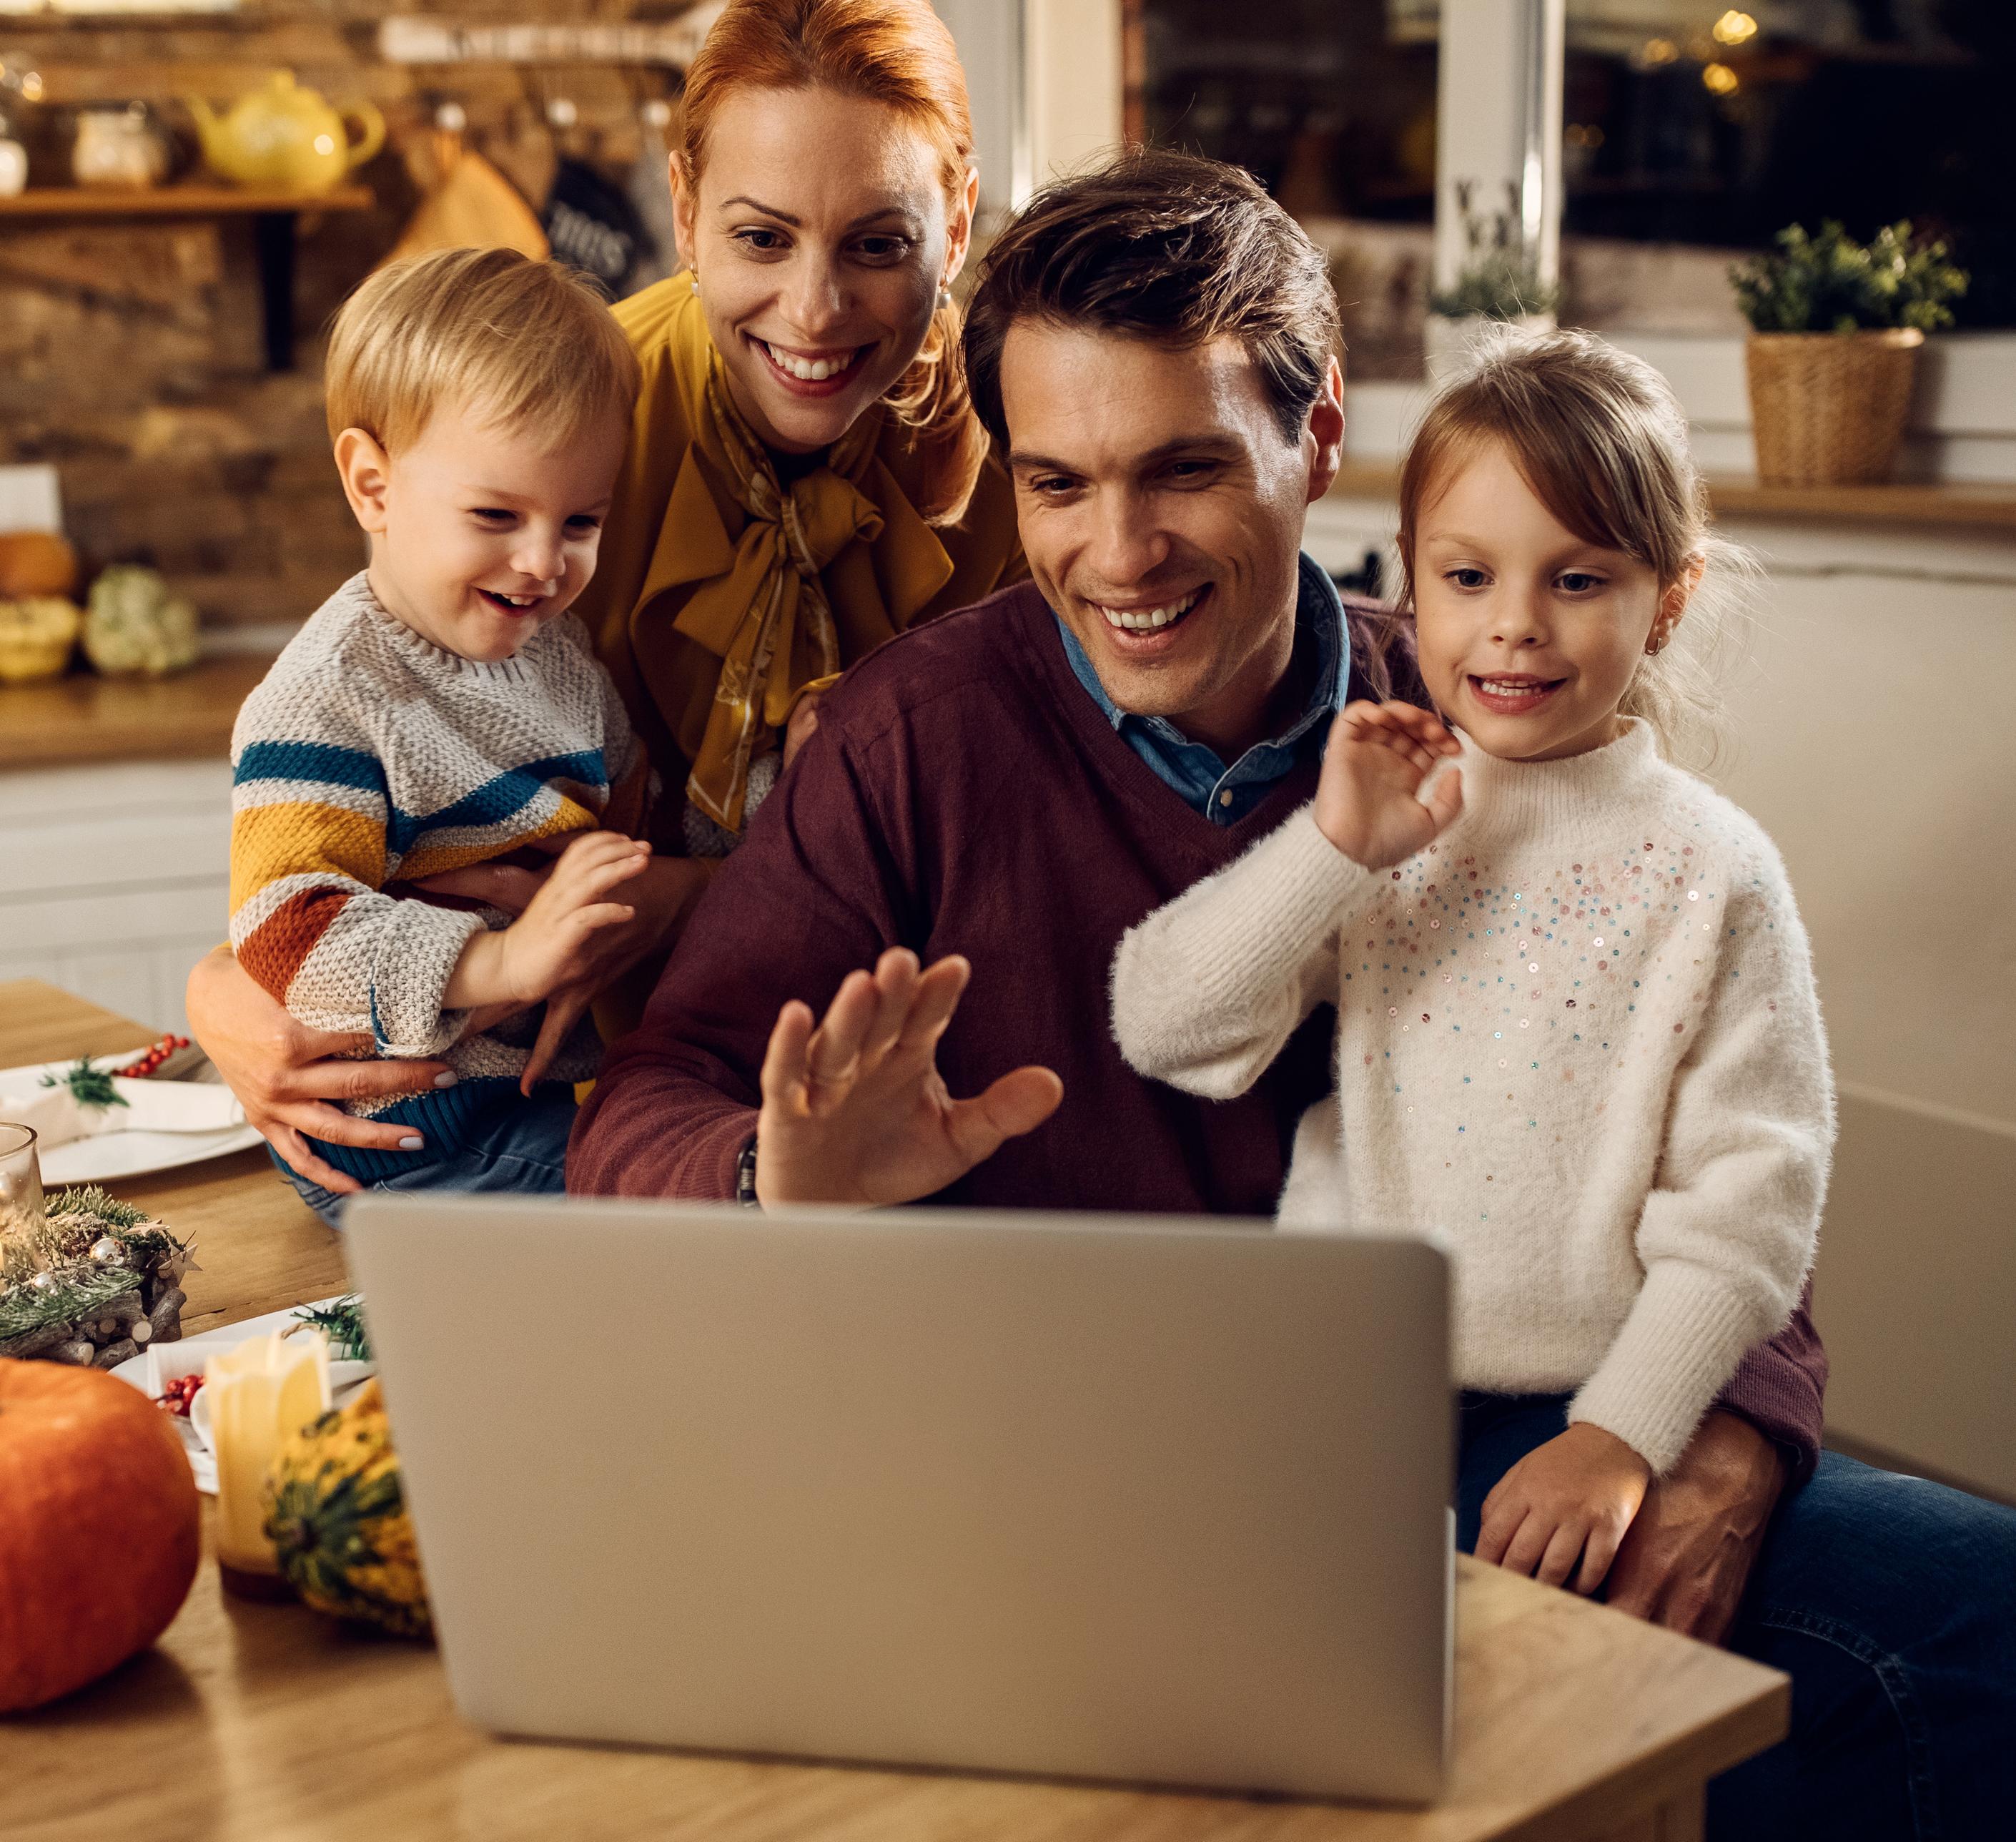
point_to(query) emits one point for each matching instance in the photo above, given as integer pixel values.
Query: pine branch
(89, 1199)
(343, 1323)
(90, 1087)
(76, 1293)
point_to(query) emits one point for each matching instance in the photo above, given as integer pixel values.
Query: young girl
(1577, 1030)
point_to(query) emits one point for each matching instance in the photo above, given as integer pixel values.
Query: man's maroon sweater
(964, 794)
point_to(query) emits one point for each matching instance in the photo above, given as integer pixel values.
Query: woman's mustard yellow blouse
(722, 591)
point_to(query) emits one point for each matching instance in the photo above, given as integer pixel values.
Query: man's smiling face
(1161, 511)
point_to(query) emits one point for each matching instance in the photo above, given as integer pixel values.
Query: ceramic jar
(118, 147)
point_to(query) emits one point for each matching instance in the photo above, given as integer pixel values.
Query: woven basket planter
(1828, 409)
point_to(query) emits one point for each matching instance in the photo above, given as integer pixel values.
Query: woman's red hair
(897, 53)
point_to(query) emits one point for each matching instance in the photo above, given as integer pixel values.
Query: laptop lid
(1162, 1501)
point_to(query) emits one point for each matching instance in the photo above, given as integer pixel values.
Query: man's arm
(1688, 1555)
(1780, 1388)
(817, 889)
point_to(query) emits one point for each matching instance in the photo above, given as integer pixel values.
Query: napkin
(58, 1116)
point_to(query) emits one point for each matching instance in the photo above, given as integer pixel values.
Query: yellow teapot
(285, 136)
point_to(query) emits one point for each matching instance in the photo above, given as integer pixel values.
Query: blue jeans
(522, 1149)
(1891, 1602)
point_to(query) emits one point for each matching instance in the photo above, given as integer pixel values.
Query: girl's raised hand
(1378, 755)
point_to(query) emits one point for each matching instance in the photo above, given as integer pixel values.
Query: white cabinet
(115, 880)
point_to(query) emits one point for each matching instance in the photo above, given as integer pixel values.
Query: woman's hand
(509, 882)
(1572, 1499)
(854, 1112)
(286, 1075)
(1378, 756)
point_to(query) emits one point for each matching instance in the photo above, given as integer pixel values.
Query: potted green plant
(1500, 283)
(1836, 326)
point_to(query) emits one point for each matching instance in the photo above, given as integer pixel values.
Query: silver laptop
(1147, 1500)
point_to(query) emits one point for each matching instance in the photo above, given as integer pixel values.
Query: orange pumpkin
(100, 1530)
(36, 563)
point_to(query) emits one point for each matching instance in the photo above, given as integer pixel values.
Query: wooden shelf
(59, 722)
(1986, 509)
(179, 201)
(274, 213)
(1980, 508)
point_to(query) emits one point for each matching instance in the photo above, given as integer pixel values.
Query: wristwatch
(745, 1176)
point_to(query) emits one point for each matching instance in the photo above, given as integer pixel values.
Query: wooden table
(257, 1723)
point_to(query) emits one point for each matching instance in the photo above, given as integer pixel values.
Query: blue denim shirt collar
(1225, 794)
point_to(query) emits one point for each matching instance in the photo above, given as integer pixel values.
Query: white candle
(261, 1392)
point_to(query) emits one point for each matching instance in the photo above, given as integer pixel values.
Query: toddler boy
(442, 708)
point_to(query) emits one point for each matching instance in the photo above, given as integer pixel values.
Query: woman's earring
(945, 299)
(695, 274)
(1653, 645)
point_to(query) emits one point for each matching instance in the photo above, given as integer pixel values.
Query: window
(1330, 108)
(1690, 123)
(1691, 130)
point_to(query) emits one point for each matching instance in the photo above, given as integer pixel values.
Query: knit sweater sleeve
(309, 920)
(1209, 988)
(1727, 1235)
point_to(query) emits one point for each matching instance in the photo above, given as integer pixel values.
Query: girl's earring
(695, 274)
(1658, 639)
(945, 299)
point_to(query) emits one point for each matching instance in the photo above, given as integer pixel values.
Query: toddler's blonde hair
(1600, 438)
(529, 343)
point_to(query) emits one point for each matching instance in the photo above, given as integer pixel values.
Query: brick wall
(130, 353)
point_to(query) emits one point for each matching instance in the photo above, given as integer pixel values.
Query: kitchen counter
(62, 722)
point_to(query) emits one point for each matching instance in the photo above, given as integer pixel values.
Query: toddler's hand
(1378, 755)
(1575, 1495)
(662, 896)
(546, 947)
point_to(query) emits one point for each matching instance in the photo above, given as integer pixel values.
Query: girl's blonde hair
(1600, 438)
(898, 53)
(529, 342)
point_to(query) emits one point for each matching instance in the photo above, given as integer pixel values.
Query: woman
(805, 477)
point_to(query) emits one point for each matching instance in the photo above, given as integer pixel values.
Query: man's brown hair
(1164, 247)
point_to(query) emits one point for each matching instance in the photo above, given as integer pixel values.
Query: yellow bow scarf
(766, 617)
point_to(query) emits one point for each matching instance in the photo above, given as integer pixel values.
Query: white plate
(186, 1356)
(123, 1154)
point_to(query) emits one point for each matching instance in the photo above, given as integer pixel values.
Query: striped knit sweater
(368, 758)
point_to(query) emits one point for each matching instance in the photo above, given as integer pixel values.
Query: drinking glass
(21, 1211)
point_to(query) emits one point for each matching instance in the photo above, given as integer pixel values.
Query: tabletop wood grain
(261, 1723)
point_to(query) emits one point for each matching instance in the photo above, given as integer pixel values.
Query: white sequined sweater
(1578, 1035)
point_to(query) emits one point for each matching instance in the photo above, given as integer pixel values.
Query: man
(999, 795)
